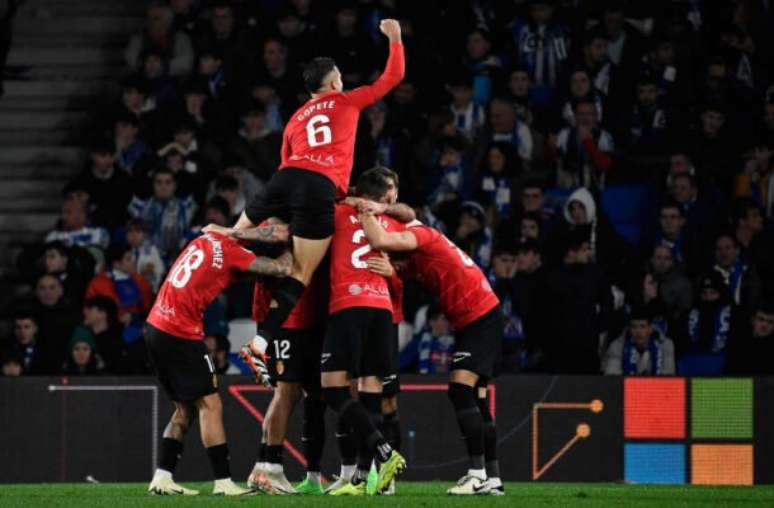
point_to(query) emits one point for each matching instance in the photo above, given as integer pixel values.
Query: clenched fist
(390, 28)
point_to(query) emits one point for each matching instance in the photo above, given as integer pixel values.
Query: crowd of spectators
(515, 121)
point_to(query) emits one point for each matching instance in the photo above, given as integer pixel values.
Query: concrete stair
(67, 55)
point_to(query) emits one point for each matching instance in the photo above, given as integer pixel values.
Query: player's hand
(256, 361)
(352, 201)
(390, 28)
(381, 265)
(367, 206)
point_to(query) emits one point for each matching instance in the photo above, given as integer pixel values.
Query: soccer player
(357, 342)
(474, 311)
(176, 348)
(317, 154)
(294, 369)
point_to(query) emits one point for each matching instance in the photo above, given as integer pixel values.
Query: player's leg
(390, 391)
(490, 441)
(171, 451)
(341, 360)
(314, 441)
(213, 437)
(286, 396)
(168, 357)
(477, 349)
(370, 395)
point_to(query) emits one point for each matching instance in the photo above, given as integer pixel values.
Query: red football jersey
(352, 283)
(206, 267)
(304, 315)
(395, 284)
(462, 288)
(320, 136)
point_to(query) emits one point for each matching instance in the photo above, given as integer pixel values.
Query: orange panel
(722, 464)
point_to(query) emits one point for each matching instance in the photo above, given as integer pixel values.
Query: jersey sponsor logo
(317, 159)
(460, 355)
(355, 289)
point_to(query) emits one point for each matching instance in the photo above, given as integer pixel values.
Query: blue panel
(654, 463)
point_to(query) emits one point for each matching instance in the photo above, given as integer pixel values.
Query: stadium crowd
(608, 164)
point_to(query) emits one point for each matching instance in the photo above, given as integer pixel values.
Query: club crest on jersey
(355, 289)
(280, 367)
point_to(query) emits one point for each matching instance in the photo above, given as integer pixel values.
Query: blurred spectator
(129, 291)
(72, 228)
(482, 64)
(147, 257)
(350, 46)
(742, 279)
(641, 351)
(11, 365)
(542, 47)
(530, 301)
(167, 217)
(750, 352)
(674, 288)
(227, 187)
(82, 359)
(757, 180)
(531, 227)
(581, 89)
(256, 145)
(159, 34)
(56, 316)
(73, 267)
(131, 152)
(191, 159)
(685, 245)
(710, 323)
(504, 127)
(274, 70)
(585, 151)
(711, 148)
(26, 346)
(450, 175)
(580, 303)
(700, 211)
(646, 129)
(186, 15)
(533, 200)
(435, 343)
(473, 235)
(469, 116)
(680, 163)
(296, 35)
(596, 62)
(496, 180)
(108, 187)
(756, 244)
(160, 86)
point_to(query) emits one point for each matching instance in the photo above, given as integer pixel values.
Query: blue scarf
(720, 329)
(630, 355)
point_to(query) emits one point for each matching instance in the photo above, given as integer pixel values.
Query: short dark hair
(741, 209)
(534, 183)
(116, 252)
(135, 223)
(640, 312)
(226, 183)
(671, 203)
(371, 184)
(105, 304)
(25, 313)
(58, 246)
(387, 173)
(163, 171)
(220, 204)
(315, 71)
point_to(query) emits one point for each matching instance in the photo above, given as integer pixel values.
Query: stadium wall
(551, 428)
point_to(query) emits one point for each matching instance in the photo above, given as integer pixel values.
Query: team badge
(214, 380)
(280, 367)
(355, 289)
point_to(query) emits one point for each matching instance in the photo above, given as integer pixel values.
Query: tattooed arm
(273, 233)
(398, 211)
(280, 267)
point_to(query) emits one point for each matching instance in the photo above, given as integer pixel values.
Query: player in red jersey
(294, 369)
(176, 348)
(357, 340)
(317, 156)
(470, 304)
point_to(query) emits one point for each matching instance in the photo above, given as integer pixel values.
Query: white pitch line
(124, 388)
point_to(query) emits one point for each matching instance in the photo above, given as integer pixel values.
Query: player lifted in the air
(317, 155)
(176, 348)
(470, 304)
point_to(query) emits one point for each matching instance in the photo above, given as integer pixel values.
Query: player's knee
(337, 397)
(210, 405)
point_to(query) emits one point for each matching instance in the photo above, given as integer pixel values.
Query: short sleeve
(422, 234)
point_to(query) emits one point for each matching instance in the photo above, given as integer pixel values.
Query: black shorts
(183, 366)
(304, 199)
(391, 385)
(357, 340)
(294, 357)
(478, 346)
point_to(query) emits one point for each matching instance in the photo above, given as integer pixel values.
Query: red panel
(654, 408)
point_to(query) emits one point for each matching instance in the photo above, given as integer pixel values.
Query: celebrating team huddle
(327, 310)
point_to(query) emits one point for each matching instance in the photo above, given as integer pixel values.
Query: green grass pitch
(430, 494)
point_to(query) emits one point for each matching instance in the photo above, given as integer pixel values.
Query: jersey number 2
(316, 128)
(358, 253)
(181, 274)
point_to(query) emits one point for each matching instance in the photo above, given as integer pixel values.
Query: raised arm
(269, 267)
(398, 211)
(393, 72)
(383, 240)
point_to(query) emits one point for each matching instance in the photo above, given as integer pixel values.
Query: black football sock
(355, 415)
(490, 439)
(463, 398)
(345, 437)
(372, 402)
(171, 451)
(262, 452)
(286, 293)
(219, 460)
(313, 432)
(391, 429)
(274, 454)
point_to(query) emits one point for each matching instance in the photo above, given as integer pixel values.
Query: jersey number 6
(318, 126)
